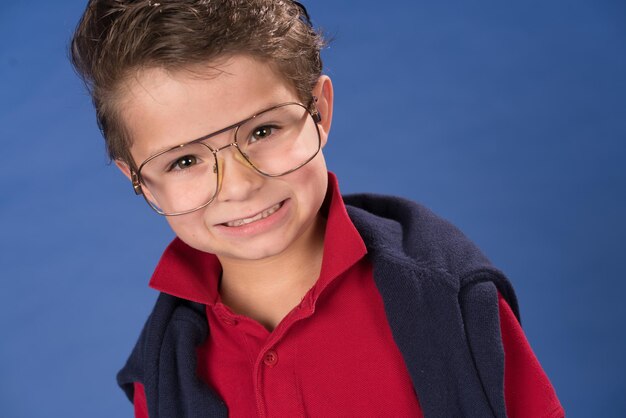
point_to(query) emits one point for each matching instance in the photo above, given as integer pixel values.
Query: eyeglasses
(274, 142)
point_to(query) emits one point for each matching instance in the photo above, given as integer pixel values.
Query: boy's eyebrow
(208, 135)
(190, 141)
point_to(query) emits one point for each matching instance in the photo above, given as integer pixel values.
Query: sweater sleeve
(527, 390)
(139, 401)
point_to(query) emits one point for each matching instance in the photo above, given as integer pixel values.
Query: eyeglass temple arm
(135, 180)
(315, 113)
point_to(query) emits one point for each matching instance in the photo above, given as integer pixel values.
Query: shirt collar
(194, 275)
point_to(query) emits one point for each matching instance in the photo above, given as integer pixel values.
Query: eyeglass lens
(274, 142)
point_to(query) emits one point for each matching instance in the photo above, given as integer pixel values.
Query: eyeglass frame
(137, 179)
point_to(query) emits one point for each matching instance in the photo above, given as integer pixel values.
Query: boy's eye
(184, 162)
(262, 132)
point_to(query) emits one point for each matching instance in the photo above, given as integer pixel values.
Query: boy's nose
(237, 179)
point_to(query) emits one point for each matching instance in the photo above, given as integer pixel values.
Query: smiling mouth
(257, 217)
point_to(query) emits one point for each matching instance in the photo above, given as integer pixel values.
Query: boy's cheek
(188, 227)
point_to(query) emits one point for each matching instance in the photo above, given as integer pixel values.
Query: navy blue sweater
(440, 298)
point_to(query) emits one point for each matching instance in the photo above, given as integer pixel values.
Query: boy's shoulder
(398, 231)
(408, 230)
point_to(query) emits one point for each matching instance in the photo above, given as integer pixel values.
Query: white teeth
(258, 216)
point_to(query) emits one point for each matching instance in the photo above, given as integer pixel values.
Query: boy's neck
(267, 290)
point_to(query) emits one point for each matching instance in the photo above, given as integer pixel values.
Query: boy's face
(162, 110)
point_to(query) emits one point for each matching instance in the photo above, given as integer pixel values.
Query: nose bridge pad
(237, 155)
(218, 170)
(242, 157)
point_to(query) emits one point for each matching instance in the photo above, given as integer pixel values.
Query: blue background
(506, 118)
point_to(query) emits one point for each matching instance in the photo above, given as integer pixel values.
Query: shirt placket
(276, 388)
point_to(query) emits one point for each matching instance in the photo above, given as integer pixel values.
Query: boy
(276, 298)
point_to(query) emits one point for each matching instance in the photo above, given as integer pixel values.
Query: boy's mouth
(261, 215)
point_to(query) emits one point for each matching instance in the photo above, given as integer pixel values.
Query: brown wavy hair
(117, 38)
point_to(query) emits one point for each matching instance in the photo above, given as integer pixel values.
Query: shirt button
(270, 358)
(229, 321)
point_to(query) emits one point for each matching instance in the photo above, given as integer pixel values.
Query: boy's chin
(252, 252)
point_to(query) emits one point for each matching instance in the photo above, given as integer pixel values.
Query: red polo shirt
(334, 350)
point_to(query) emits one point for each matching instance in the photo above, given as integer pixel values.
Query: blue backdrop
(506, 118)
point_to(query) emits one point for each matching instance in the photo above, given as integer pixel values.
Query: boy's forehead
(177, 106)
(228, 78)
(156, 83)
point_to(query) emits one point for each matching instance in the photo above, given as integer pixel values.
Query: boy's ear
(324, 92)
(124, 168)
